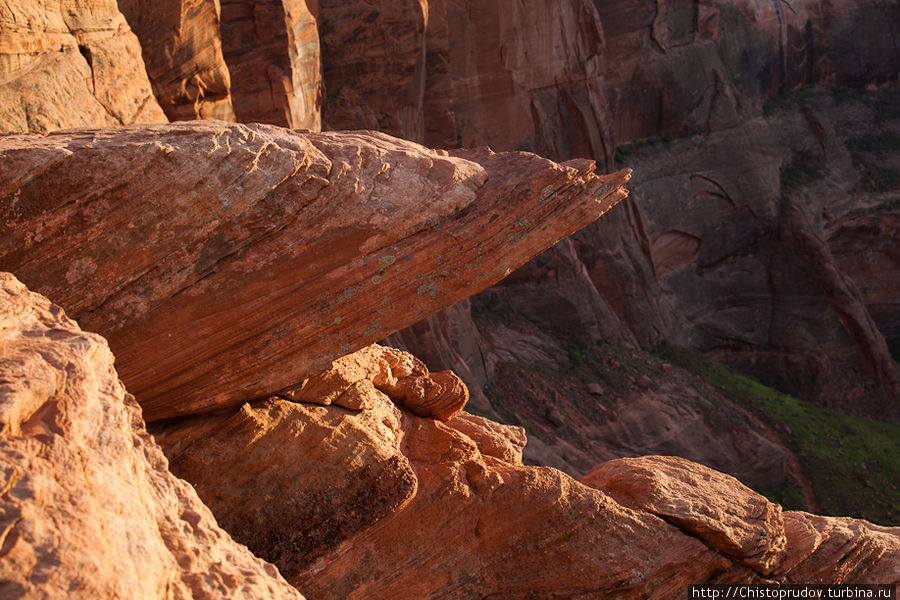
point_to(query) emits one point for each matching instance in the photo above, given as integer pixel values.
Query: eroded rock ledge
(228, 262)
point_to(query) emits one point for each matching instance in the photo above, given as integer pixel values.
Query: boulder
(89, 508)
(381, 503)
(787, 547)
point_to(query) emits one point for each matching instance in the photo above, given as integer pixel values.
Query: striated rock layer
(70, 64)
(89, 509)
(182, 47)
(228, 262)
(271, 48)
(380, 503)
(252, 61)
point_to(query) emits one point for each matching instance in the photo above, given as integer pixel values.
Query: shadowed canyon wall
(743, 238)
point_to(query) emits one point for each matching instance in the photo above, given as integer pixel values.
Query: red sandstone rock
(422, 509)
(89, 509)
(432, 509)
(272, 51)
(759, 285)
(791, 547)
(354, 381)
(375, 75)
(733, 519)
(234, 60)
(576, 78)
(182, 48)
(70, 64)
(228, 262)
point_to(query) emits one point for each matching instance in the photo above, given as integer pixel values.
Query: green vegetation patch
(853, 463)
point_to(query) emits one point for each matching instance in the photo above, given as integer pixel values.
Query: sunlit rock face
(228, 262)
(71, 64)
(368, 500)
(89, 508)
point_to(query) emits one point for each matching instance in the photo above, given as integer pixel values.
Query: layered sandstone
(228, 262)
(576, 78)
(182, 48)
(767, 257)
(71, 64)
(89, 508)
(271, 48)
(232, 60)
(378, 502)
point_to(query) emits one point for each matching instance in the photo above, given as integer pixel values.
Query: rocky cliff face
(706, 258)
(89, 508)
(231, 267)
(71, 64)
(747, 250)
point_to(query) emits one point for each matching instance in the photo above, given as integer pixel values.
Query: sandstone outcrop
(355, 381)
(88, 507)
(435, 509)
(227, 262)
(71, 64)
(785, 546)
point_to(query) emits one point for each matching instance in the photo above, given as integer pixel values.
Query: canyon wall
(583, 79)
(233, 267)
(71, 64)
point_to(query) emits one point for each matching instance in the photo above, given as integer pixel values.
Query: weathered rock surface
(182, 48)
(473, 521)
(586, 405)
(577, 78)
(228, 262)
(357, 36)
(89, 509)
(357, 380)
(70, 64)
(736, 521)
(232, 60)
(771, 284)
(272, 51)
(786, 546)
(438, 509)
